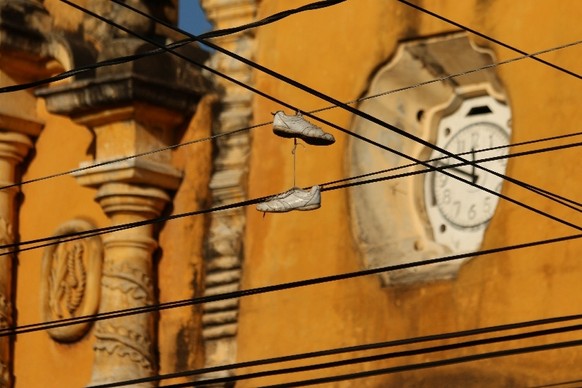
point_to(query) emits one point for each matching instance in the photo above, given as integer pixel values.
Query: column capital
(116, 198)
(14, 146)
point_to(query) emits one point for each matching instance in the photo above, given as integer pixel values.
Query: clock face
(461, 205)
(458, 212)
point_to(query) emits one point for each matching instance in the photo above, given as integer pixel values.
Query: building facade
(97, 151)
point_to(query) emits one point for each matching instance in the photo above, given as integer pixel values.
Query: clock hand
(474, 177)
(457, 170)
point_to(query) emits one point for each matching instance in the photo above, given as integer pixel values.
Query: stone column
(229, 181)
(132, 109)
(124, 346)
(14, 147)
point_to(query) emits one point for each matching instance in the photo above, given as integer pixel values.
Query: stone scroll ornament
(70, 280)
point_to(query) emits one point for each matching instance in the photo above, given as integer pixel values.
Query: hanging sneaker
(294, 199)
(297, 126)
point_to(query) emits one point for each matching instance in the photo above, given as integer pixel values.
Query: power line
(360, 348)
(208, 35)
(238, 131)
(117, 227)
(560, 384)
(160, 219)
(484, 36)
(429, 364)
(565, 201)
(338, 103)
(455, 75)
(52, 240)
(470, 162)
(21, 329)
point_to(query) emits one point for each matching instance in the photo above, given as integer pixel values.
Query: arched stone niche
(389, 218)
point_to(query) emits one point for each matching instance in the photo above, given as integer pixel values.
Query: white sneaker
(297, 126)
(294, 199)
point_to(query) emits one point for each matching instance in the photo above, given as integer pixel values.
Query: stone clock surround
(389, 221)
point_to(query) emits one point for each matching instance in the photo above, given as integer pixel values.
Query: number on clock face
(463, 205)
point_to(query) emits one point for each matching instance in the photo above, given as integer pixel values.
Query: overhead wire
(574, 205)
(28, 328)
(21, 246)
(341, 105)
(490, 354)
(487, 37)
(120, 227)
(207, 35)
(469, 162)
(560, 384)
(425, 365)
(248, 128)
(160, 219)
(360, 348)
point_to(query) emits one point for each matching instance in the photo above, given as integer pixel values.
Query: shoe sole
(282, 131)
(310, 207)
(303, 208)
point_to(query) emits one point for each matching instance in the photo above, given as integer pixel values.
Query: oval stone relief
(70, 280)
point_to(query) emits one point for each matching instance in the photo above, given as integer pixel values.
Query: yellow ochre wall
(337, 51)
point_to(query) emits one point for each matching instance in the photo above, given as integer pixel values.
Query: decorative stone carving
(71, 275)
(229, 182)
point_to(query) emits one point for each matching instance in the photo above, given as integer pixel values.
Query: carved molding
(228, 183)
(70, 278)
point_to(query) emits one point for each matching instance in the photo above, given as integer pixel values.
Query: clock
(459, 212)
(407, 219)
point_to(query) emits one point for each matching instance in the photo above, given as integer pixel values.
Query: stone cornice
(24, 37)
(84, 97)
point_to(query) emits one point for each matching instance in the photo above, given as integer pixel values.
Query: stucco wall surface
(337, 51)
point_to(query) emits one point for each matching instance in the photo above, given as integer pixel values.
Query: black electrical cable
(118, 227)
(13, 248)
(21, 329)
(241, 130)
(561, 384)
(428, 364)
(213, 34)
(574, 205)
(340, 105)
(244, 203)
(480, 34)
(208, 35)
(350, 361)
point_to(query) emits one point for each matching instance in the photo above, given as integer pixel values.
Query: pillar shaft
(13, 148)
(124, 346)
